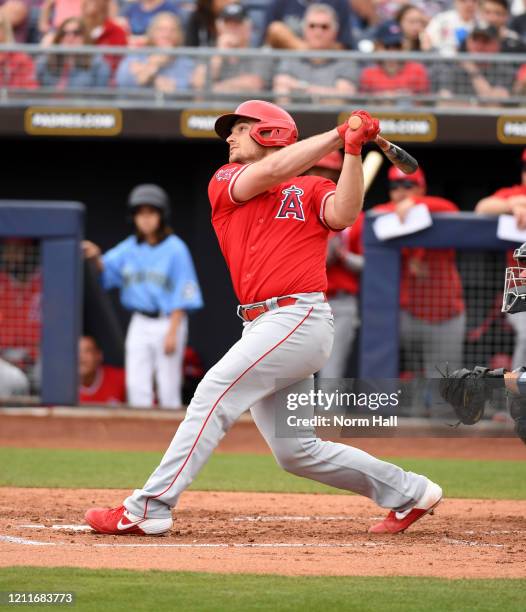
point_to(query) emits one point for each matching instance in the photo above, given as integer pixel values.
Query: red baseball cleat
(118, 521)
(397, 522)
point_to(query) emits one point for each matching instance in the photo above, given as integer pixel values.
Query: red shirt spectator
(98, 383)
(408, 77)
(17, 71)
(103, 30)
(393, 75)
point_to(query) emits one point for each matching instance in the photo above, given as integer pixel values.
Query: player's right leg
(281, 345)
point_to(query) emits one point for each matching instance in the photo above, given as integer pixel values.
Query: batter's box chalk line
(27, 542)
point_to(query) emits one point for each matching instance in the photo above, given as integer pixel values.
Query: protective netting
(20, 317)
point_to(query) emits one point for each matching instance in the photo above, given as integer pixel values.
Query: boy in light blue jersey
(157, 280)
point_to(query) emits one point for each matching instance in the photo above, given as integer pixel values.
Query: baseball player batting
(272, 226)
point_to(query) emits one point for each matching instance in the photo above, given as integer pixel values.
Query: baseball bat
(396, 155)
(371, 164)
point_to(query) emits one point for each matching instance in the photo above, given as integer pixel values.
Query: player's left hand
(170, 343)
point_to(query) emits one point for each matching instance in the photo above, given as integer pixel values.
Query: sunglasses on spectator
(72, 32)
(402, 184)
(322, 26)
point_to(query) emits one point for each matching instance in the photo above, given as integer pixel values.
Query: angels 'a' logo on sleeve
(225, 174)
(291, 206)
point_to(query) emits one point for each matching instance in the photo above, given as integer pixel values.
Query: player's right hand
(90, 249)
(368, 130)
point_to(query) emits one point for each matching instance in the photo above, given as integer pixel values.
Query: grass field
(127, 590)
(186, 591)
(119, 469)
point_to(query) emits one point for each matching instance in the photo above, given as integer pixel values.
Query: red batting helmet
(417, 177)
(274, 127)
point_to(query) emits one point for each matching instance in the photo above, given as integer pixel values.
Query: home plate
(58, 527)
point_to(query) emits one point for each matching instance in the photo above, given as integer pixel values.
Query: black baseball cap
(149, 195)
(389, 33)
(233, 12)
(483, 30)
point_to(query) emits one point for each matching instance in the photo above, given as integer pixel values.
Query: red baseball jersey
(340, 278)
(430, 285)
(107, 388)
(411, 77)
(20, 316)
(509, 192)
(276, 243)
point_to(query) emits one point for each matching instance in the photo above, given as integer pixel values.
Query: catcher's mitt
(467, 391)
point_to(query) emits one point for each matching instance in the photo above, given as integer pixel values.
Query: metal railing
(96, 74)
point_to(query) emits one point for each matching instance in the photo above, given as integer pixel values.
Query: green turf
(224, 472)
(126, 590)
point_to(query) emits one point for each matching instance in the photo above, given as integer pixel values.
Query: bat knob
(354, 122)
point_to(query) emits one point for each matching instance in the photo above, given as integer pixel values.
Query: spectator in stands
(412, 21)
(238, 74)
(201, 27)
(12, 380)
(344, 264)
(99, 383)
(140, 13)
(497, 14)
(449, 29)
(393, 77)
(284, 24)
(387, 9)
(518, 23)
(166, 73)
(479, 79)
(519, 87)
(323, 78)
(103, 30)
(432, 316)
(53, 13)
(155, 274)
(63, 71)
(17, 13)
(16, 69)
(511, 201)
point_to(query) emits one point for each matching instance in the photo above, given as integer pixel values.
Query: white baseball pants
(146, 361)
(289, 343)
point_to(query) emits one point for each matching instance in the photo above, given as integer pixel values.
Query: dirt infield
(268, 533)
(143, 434)
(255, 532)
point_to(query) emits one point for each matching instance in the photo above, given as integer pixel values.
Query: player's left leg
(338, 465)
(169, 368)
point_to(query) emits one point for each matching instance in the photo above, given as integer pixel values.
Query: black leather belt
(151, 315)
